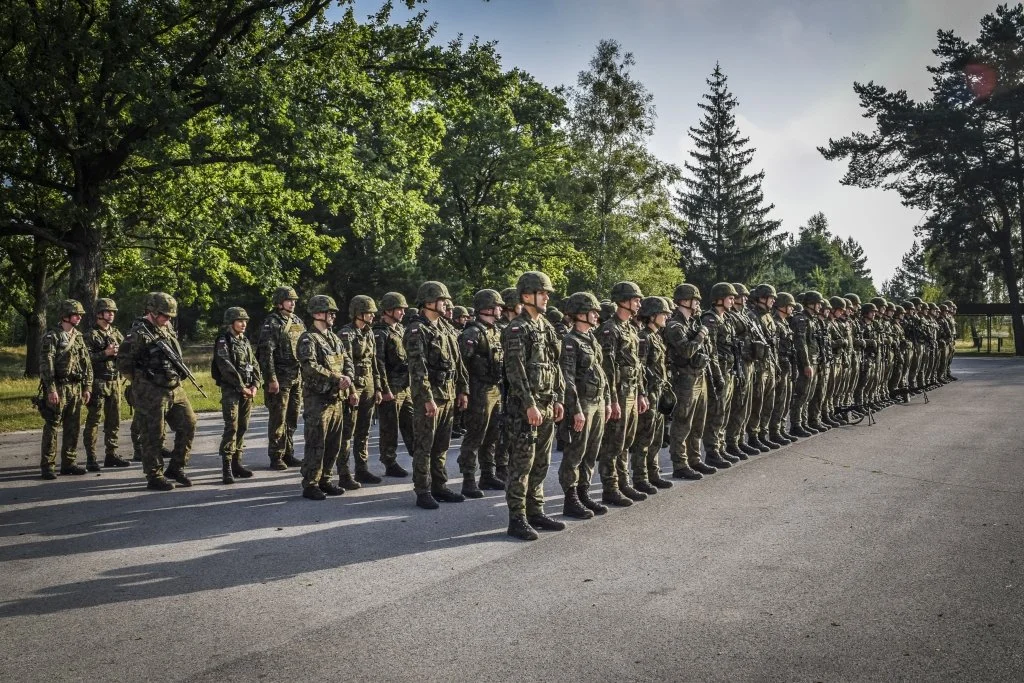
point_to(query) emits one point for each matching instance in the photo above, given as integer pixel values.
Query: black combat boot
(583, 493)
(49, 475)
(469, 487)
(92, 465)
(159, 484)
(313, 492)
(799, 431)
(72, 469)
(772, 444)
(519, 528)
(115, 461)
(346, 481)
(490, 482)
(657, 480)
(291, 461)
(225, 472)
(644, 486)
(615, 497)
(393, 469)
(793, 438)
(703, 468)
(446, 495)
(367, 477)
(426, 501)
(749, 449)
(544, 523)
(330, 488)
(715, 460)
(734, 451)
(631, 493)
(278, 464)
(177, 474)
(757, 444)
(778, 438)
(573, 507)
(501, 472)
(687, 473)
(238, 469)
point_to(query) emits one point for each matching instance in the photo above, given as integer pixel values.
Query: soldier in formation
(279, 364)
(103, 342)
(236, 372)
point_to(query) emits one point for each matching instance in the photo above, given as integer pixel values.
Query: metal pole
(988, 322)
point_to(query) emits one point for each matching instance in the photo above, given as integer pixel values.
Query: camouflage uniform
(235, 369)
(805, 343)
(159, 398)
(394, 416)
(720, 333)
(650, 430)
(362, 348)
(105, 403)
(788, 369)
(276, 352)
(64, 368)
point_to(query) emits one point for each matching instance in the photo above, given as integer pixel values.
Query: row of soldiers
(608, 374)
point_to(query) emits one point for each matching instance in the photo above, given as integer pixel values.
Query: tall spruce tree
(729, 229)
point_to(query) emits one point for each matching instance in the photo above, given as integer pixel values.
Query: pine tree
(729, 230)
(910, 277)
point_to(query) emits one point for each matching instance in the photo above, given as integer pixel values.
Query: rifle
(737, 362)
(755, 327)
(175, 360)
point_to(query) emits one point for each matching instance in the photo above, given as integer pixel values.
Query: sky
(790, 63)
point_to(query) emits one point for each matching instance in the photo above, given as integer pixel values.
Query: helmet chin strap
(535, 306)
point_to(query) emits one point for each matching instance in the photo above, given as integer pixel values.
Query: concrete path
(867, 553)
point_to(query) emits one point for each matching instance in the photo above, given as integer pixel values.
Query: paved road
(867, 553)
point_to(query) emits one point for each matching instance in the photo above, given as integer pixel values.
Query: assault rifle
(174, 359)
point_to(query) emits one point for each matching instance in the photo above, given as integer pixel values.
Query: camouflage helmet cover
(652, 306)
(764, 291)
(685, 292)
(162, 303)
(853, 297)
(783, 299)
(837, 302)
(104, 305)
(284, 293)
(813, 297)
(430, 291)
(553, 315)
(722, 290)
(533, 281)
(393, 300)
(487, 298)
(70, 307)
(741, 289)
(582, 302)
(321, 303)
(460, 312)
(621, 291)
(509, 294)
(361, 304)
(868, 308)
(235, 313)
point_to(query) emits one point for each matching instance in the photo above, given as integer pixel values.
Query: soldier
(361, 347)
(587, 406)
(694, 366)
(145, 358)
(744, 388)
(460, 316)
(509, 313)
(282, 390)
(720, 332)
(102, 342)
(436, 377)
(763, 341)
(512, 310)
(395, 409)
(620, 344)
(65, 383)
(788, 369)
(650, 429)
(484, 360)
(326, 382)
(237, 373)
(557, 320)
(535, 390)
(805, 342)
(410, 314)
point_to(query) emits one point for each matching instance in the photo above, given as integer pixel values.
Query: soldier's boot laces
(313, 492)
(615, 497)
(393, 469)
(330, 488)
(367, 477)
(583, 494)
(545, 523)
(225, 473)
(426, 501)
(178, 475)
(490, 482)
(469, 487)
(444, 494)
(115, 461)
(92, 465)
(572, 507)
(519, 528)
(238, 469)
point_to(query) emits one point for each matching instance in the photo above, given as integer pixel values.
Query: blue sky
(791, 64)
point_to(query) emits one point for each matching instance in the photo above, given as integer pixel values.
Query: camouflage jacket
(63, 360)
(104, 367)
(482, 354)
(531, 362)
(278, 345)
(362, 349)
(323, 361)
(785, 342)
(652, 362)
(804, 340)
(235, 362)
(720, 332)
(620, 343)
(436, 372)
(391, 357)
(585, 381)
(140, 358)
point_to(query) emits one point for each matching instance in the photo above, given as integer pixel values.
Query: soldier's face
(740, 300)
(593, 318)
(74, 319)
(634, 305)
(161, 320)
(729, 301)
(239, 326)
(288, 305)
(107, 316)
(397, 314)
(660, 320)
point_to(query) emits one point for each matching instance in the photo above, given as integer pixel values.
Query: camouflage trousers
(529, 456)
(431, 438)
(614, 453)
(283, 418)
(688, 418)
(803, 388)
(783, 397)
(322, 425)
(236, 410)
(762, 400)
(481, 420)
(105, 406)
(66, 415)
(646, 448)
(742, 401)
(821, 389)
(718, 417)
(156, 408)
(356, 432)
(135, 431)
(579, 455)
(394, 417)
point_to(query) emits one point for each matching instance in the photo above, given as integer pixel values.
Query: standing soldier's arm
(609, 347)
(96, 345)
(800, 332)
(86, 365)
(461, 375)
(229, 373)
(126, 356)
(265, 350)
(514, 343)
(416, 352)
(380, 341)
(567, 364)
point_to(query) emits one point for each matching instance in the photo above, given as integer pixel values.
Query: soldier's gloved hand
(53, 398)
(274, 387)
(578, 421)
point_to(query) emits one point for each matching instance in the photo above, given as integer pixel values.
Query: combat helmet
(162, 304)
(431, 291)
(393, 300)
(685, 292)
(553, 315)
(361, 304)
(812, 297)
(582, 302)
(853, 297)
(510, 296)
(235, 313)
(104, 305)
(460, 312)
(621, 291)
(282, 294)
(533, 281)
(652, 306)
(70, 307)
(837, 302)
(764, 291)
(741, 289)
(607, 310)
(722, 290)
(879, 302)
(321, 303)
(783, 299)
(868, 308)
(917, 301)
(487, 298)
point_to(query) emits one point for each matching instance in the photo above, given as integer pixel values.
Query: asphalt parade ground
(885, 552)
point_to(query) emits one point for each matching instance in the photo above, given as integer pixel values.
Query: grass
(967, 348)
(16, 392)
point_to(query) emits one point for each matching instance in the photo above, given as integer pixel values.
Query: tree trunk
(1011, 277)
(86, 268)
(35, 321)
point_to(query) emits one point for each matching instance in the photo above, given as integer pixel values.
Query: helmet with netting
(360, 305)
(652, 306)
(741, 289)
(282, 294)
(582, 302)
(70, 307)
(621, 291)
(235, 313)
(783, 299)
(161, 303)
(321, 303)
(393, 300)
(104, 305)
(685, 292)
(430, 291)
(533, 281)
(487, 298)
